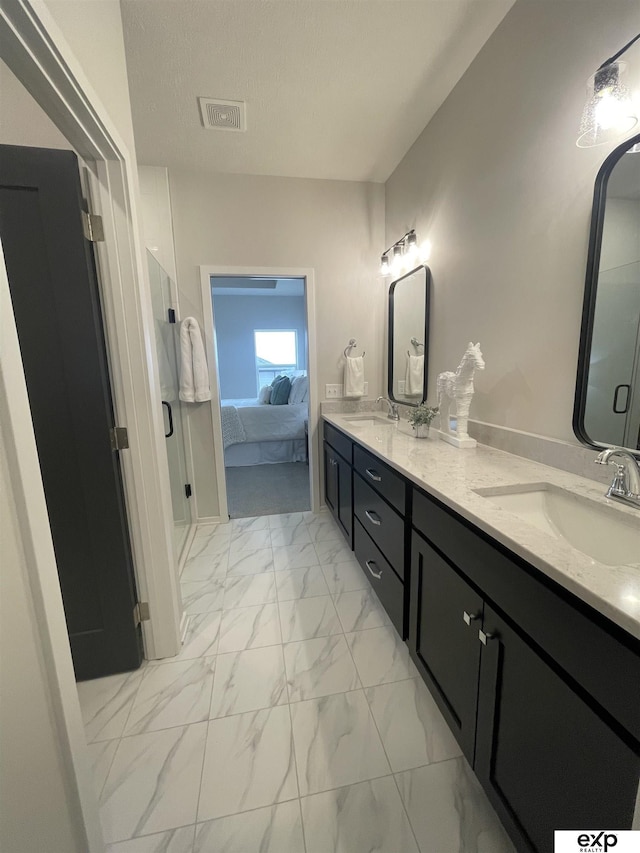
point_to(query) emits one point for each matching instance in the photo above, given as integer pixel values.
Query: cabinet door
(443, 638)
(546, 758)
(345, 498)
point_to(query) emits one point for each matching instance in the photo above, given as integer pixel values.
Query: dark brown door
(443, 638)
(56, 303)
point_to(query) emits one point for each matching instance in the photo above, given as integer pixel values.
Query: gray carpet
(267, 489)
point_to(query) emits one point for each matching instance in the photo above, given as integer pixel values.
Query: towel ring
(416, 343)
(351, 345)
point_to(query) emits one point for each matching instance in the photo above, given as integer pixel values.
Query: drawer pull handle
(469, 617)
(374, 475)
(373, 517)
(483, 636)
(370, 563)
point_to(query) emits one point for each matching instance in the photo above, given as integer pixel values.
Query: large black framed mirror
(408, 354)
(607, 401)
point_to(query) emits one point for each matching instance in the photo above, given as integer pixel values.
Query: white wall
(93, 31)
(236, 318)
(22, 121)
(37, 808)
(499, 186)
(333, 227)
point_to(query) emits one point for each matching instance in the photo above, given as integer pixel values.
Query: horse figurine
(458, 387)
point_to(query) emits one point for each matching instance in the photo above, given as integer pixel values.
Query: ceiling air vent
(223, 115)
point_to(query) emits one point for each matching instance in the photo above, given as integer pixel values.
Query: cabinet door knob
(374, 475)
(469, 617)
(373, 517)
(483, 636)
(368, 564)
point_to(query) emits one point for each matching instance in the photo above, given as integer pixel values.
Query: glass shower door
(167, 348)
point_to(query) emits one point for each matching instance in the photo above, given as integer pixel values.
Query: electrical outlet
(366, 389)
(331, 392)
(401, 386)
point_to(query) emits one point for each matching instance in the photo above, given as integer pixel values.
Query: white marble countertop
(451, 475)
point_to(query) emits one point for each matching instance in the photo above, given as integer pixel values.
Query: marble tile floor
(292, 721)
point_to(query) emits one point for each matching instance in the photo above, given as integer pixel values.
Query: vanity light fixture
(609, 112)
(405, 254)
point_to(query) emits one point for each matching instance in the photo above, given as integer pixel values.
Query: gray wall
(498, 185)
(335, 228)
(236, 317)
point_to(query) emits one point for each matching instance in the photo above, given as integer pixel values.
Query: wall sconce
(609, 112)
(405, 254)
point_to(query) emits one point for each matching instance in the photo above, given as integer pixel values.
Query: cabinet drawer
(382, 523)
(388, 587)
(338, 441)
(383, 479)
(603, 660)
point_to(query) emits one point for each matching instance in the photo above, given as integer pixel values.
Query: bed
(259, 434)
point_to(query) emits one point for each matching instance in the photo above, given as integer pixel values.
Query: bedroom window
(276, 352)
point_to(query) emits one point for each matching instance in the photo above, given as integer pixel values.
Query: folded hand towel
(414, 380)
(194, 376)
(354, 377)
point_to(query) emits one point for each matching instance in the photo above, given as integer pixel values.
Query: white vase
(422, 430)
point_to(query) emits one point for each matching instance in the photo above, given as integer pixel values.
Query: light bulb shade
(425, 251)
(609, 112)
(385, 269)
(396, 263)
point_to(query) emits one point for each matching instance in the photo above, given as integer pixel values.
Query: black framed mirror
(407, 362)
(607, 401)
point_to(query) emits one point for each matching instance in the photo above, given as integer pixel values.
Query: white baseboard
(212, 519)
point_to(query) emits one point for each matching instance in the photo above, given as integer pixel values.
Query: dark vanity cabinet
(542, 695)
(445, 614)
(338, 451)
(380, 530)
(541, 691)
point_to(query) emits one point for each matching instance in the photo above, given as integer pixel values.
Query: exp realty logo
(596, 841)
(591, 842)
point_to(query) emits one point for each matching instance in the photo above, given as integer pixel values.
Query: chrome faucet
(393, 409)
(626, 480)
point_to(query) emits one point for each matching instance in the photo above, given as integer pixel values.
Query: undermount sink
(370, 420)
(598, 530)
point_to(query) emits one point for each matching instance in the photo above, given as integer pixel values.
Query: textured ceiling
(334, 88)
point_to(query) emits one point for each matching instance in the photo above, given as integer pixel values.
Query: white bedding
(270, 423)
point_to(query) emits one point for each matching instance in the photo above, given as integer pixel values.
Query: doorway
(261, 353)
(57, 307)
(270, 452)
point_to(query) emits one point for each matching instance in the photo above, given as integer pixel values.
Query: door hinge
(141, 612)
(92, 227)
(172, 315)
(119, 438)
(187, 489)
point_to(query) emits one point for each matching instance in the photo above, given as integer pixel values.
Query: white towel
(354, 377)
(194, 376)
(414, 380)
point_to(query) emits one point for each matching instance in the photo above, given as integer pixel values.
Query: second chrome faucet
(626, 480)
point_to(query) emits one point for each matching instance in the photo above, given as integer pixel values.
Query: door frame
(307, 274)
(37, 53)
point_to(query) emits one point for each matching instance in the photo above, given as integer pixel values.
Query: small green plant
(423, 415)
